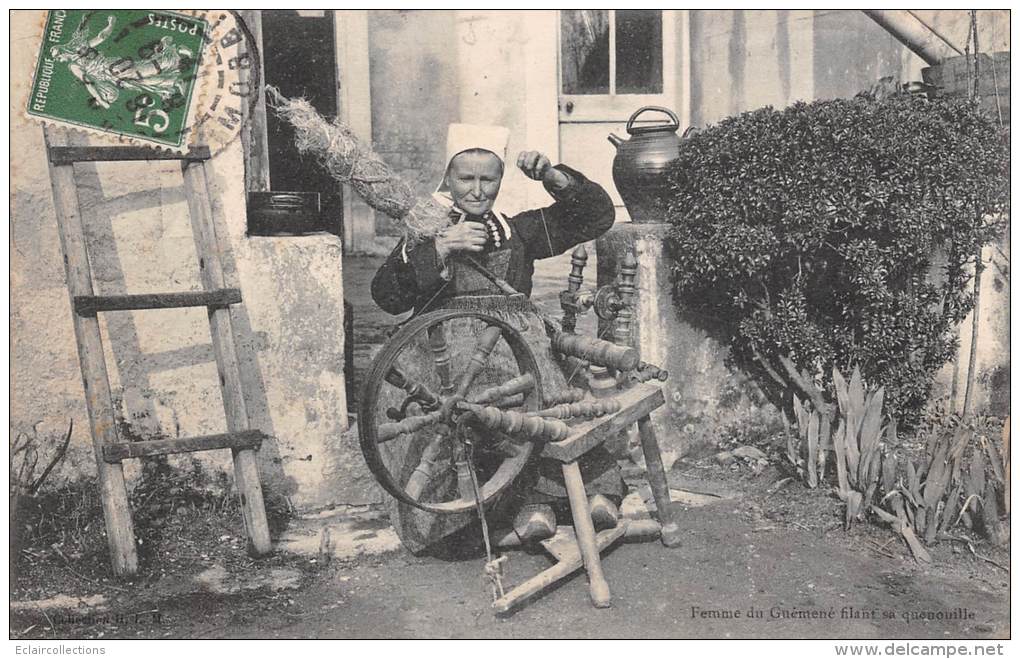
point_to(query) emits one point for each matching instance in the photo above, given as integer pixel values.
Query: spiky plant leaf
(935, 484)
(976, 475)
(994, 459)
(952, 510)
(931, 526)
(871, 426)
(914, 483)
(839, 447)
(856, 399)
(812, 448)
(842, 392)
(888, 472)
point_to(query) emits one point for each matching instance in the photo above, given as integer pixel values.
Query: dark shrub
(838, 233)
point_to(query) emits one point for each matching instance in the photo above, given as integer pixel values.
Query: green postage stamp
(129, 72)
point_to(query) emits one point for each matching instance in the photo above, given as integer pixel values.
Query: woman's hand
(461, 237)
(536, 166)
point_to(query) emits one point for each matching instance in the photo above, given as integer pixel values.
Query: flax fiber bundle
(348, 160)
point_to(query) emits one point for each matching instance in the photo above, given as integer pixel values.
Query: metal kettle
(641, 163)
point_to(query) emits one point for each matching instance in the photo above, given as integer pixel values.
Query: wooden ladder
(110, 450)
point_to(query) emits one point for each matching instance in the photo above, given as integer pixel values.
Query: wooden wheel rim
(368, 436)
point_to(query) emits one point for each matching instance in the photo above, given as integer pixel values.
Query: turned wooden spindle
(518, 424)
(622, 333)
(517, 386)
(441, 357)
(578, 259)
(568, 299)
(388, 431)
(426, 468)
(596, 351)
(581, 409)
(568, 395)
(486, 342)
(506, 403)
(416, 390)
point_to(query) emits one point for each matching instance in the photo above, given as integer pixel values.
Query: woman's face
(474, 178)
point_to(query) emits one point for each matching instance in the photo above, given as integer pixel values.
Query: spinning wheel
(460, 400)
(420, 393)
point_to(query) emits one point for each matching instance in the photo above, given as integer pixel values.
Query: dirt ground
(768, 558)
(755, 564)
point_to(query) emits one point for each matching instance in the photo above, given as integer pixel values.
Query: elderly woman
(419, 277)
(431, 274)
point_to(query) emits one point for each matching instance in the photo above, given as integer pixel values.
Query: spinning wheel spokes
(416, 391)
(388, 431)
(518, 386)
(438, 360)
(427, 468)
(486, 342)
(465, 488)
(441, 356)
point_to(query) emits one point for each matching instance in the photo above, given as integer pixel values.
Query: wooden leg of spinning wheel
(657, 480)
(585, 532)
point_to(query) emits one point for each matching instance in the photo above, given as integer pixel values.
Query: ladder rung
(66, 155)
(248, 439)
(88, 305)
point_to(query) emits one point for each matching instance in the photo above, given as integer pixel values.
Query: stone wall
(289, 328)
(433, 68)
